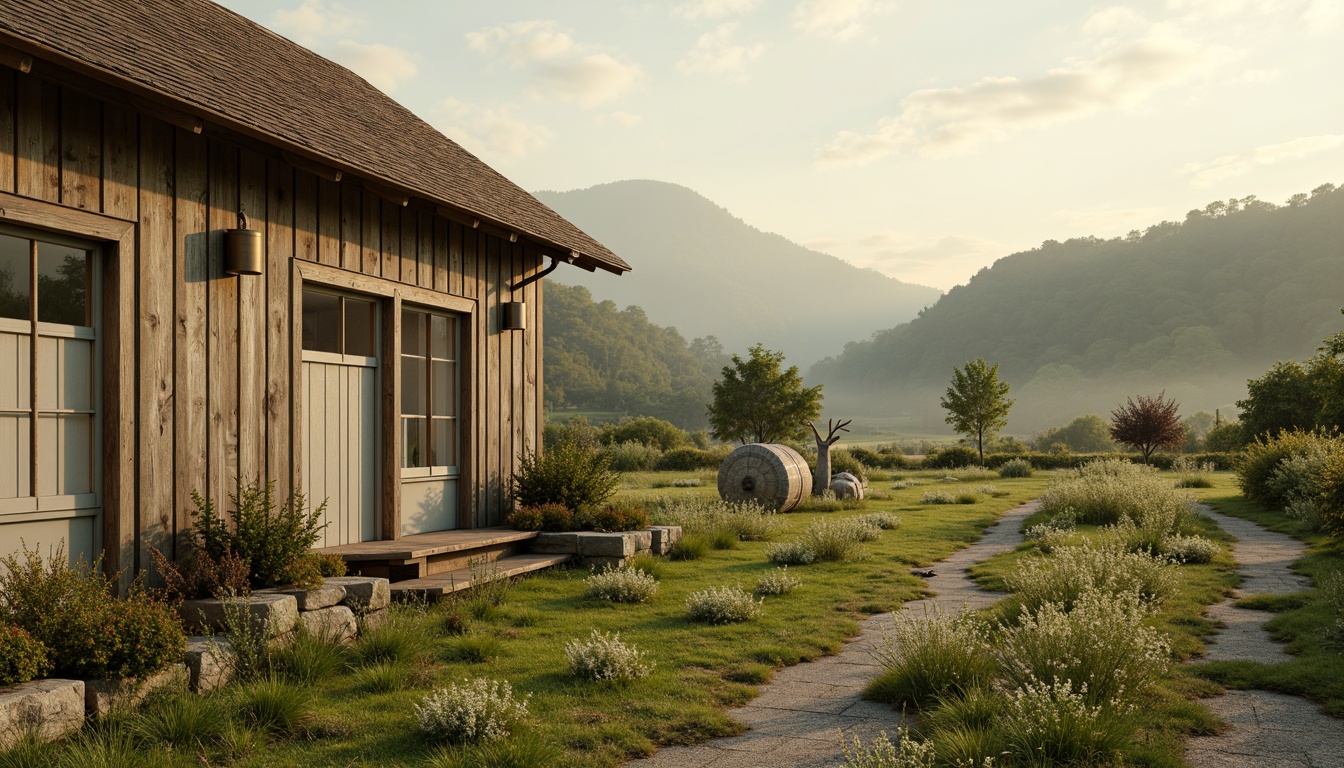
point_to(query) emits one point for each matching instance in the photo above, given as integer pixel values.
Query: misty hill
(705, 272)
(1194, 308)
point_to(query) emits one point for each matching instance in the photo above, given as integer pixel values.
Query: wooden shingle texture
(213, 63)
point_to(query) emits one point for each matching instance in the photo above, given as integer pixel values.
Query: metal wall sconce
(242, 249)
(513, 315)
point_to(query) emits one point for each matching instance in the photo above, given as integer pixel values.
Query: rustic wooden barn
(376, 362)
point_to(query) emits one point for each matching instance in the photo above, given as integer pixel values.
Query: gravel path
(1267, 729)
(797, 718)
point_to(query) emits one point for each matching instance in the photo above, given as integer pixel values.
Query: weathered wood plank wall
(213, 355)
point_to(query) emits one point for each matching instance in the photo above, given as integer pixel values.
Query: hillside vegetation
(706, 272)
(1194, 308)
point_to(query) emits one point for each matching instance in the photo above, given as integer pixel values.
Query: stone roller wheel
(770, 474)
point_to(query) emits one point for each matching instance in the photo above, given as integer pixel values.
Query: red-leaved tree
(1148, 424)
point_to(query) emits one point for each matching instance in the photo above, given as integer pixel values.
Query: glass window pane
(321, 322)
(445, 444)
(76, 475)
(443, 388)
(413, 386)
(440, 338)
(415, 448)
(15, 437)
(360, 328)
(15, 262)
(412, 332)
(62, 284)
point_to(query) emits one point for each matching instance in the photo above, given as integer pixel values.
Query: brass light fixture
(242, 249)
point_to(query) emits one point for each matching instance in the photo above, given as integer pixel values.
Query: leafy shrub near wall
(541, 517)
(574, 472)
(621, 516)
(22, 657)
(89, 632)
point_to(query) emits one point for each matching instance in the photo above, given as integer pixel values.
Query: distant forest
(1216, 298)
(599, 358)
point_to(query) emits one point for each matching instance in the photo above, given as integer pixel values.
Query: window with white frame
(429, 393)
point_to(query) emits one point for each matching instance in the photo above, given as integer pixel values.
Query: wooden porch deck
(423, 545)
(440, 563)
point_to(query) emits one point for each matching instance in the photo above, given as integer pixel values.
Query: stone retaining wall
(53, 708)
(596, 550)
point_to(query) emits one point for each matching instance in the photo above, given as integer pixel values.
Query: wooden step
(427, 554)
(440, 584)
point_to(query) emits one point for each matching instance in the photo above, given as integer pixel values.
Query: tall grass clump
(1192, 473)
(184, 721)
(745, 521)
(479, 709)
(621, 585)
(603, 657)
(931, 656)
(309, 659)
(1101, 646)
(402, 637)
(520, 750)
(1073, 570)
(837, 541)
(274, 705)
(1107, 491)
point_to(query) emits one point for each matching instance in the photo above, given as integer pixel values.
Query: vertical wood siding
(213, 355)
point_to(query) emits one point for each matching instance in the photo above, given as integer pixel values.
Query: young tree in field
(977, 402)
(1148, 424)
(757, 402)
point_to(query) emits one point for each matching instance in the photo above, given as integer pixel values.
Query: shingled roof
(210, 62)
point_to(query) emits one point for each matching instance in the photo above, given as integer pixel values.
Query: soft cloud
(619, 118)
(941, 262)
(493, 132)
(835, 19)
(716, 53)
(560, 67)
(312, 19)
(952, 120)
(1205, 174)
(1109, 221)
(383, 66)
(1112, 21)
(694, 10)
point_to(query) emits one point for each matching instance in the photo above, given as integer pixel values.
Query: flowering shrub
(722, 605)
(22, 657)
(776, 582)
(1108, 491)
(1102, 646)
(1054, 724)
(746, 521)
(1190, 549)
(882, 753)
(479, 709)
(931, 656)
(938, 497)
(881, 520)
(1259, 462)
(621, 585)
(605, 657)
(1075, 569)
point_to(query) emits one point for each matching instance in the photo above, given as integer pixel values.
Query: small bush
(621, 585)
(1048, 538)
(622, 516)
(1063, 577)
(688, 460)
(646, 430)
(604, 657)
(837, 541)
(722, 605)
(1190, 549)
(938, 497)
(1193, 473)
(88, 631)
(479, 709)
(541, 517)
(844, 460)
(952, 457)
(633, 456)
(930, 657)
(271, 540)
(882, 520)
(1054, 724)
(882, 753)
(1259, 461)
(22, 657)
(790, 553)
(1300, 480)
(1102, 645)
(1015, 468)
(968, 497)
(574, 472)
(776, 582)
(330, 566)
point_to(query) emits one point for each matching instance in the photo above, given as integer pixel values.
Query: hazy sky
(924, 138)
